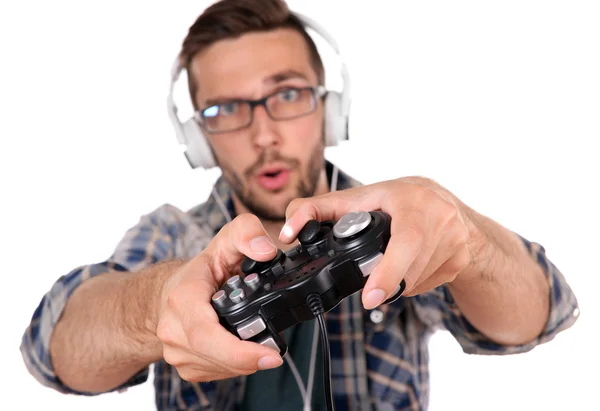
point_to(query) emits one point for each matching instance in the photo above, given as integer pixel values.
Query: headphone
(337, 109)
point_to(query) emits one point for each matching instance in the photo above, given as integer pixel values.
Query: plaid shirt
(379, 358)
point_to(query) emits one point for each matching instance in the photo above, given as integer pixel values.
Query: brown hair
(227, 19)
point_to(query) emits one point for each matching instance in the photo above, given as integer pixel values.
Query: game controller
(333, 260)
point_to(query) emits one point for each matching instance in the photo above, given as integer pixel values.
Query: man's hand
(193, 340)
(430, 242)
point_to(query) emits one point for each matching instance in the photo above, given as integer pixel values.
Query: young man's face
(270, 162)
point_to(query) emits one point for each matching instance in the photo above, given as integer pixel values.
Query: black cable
(316, 306)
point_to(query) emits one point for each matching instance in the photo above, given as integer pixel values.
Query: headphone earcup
(335, 120)
(198, 152)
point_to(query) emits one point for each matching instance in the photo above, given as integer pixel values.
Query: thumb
(244, 236)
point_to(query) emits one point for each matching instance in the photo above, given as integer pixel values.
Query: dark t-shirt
(277, 389)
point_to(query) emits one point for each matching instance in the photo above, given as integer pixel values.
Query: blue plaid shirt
(378, 362)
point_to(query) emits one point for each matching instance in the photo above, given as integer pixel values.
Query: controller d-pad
(351, 223)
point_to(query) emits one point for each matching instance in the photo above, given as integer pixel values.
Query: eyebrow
(272, 79)
(284, 75)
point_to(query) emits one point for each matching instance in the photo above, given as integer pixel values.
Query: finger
(446, 273)
(330, 206)
(244, 236)
(431, 257)
(204, 333)
(224, 348)
(451, 243)
(206, 337)
(402, 250)
(179, 348)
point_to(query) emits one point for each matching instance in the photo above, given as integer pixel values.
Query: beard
(261, 207)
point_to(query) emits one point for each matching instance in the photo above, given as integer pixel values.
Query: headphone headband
(337, 108)
(320, 30)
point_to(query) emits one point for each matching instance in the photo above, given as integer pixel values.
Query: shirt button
(376, 316)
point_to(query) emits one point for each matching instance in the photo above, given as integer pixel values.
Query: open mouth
(274, 179)
(272, 174)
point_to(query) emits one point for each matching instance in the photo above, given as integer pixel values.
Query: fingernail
(266, 363)
(286, 232)
(374, 298)
(262, 245)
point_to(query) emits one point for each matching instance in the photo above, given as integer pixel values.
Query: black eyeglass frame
(317, 92)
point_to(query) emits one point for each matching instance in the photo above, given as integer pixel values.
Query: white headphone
(337, 109)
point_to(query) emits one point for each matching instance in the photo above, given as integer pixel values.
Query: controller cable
(316, 306)
(306, 392)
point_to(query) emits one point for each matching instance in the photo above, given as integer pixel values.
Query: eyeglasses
(284, 104)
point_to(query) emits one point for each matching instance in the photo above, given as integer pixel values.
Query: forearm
(106, 331)
(504, 292)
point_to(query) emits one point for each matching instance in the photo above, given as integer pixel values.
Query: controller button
(367, 265)
(251, 328)
(234, 282)
(351, 224)
(313, 251)
(252, 280)
(293, 252)
(270, 342)
(277, 269)
(376, 316)
(267, 286)
(309, 232)
(397, 293)
(219, 297)
(237, 295)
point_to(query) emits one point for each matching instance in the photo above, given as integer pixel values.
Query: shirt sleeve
(439, 310)
(149, 241)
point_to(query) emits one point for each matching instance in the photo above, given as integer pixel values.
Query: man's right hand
(194, 341)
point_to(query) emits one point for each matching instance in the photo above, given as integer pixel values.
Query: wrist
(481, 248)
(142, 305)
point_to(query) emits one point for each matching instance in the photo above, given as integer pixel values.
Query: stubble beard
(259, 204)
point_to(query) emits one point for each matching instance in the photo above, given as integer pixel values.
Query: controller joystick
(250, 266)
(351, 224)
(334, 260)
(309, 232)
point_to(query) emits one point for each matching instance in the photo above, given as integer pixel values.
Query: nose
(264, 129)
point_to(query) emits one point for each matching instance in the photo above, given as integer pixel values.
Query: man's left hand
(431, 239)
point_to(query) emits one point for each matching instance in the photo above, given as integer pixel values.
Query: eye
(289, 95)
(228, 109)
(225, 109)
(211, 111)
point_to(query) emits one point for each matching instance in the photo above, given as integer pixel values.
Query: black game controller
(333, 260)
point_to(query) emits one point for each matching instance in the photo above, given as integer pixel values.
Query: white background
(498, 101)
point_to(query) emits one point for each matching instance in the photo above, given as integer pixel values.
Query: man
(101, 326)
